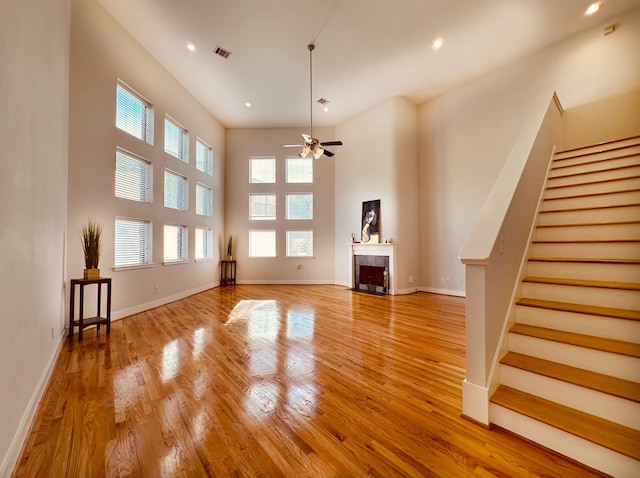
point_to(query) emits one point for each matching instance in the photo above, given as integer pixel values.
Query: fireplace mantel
(379, 249)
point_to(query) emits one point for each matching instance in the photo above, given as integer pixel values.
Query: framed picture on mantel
(371, 222)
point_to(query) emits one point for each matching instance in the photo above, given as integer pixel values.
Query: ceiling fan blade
(291, 146)
(328, 153)
(332, 143)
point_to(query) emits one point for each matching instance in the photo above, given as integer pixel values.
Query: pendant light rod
(311, 46)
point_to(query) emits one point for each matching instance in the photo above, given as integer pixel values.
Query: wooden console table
(227, 272)
(83, 322)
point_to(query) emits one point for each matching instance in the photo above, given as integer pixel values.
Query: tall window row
(134, 182)
(298, 207)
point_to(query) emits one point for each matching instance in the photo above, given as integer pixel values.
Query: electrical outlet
(447, 280)
(156, 289)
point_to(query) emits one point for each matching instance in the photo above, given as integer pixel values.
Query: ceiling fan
(312, 145)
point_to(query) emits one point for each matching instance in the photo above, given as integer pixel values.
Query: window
(262, 170)
(134, 115)
(262, 207)
(204, 248)
(299, 170)
(176, 140)
(175, 191)
(204, 157)
(299, 243)
(133, 177)
(175, 243)
(300, 206)
(262, 243)
(203, 200)
(132, 242)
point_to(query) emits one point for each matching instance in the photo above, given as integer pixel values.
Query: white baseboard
(433, 290)
(13, 453)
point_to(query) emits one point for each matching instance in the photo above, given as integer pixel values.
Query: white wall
(379, 161)
(34, 53)
(245, 143)
(102, 52)
(466, 134)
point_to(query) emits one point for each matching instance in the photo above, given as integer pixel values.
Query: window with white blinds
(134, 115)
(262, 243)
(299, 206)
(299, 243)
(133, 177)
(204, 249)
(175, 191)
(299, 170)
(176, 140)
(132, 242)
(262, 207)
(175, 243)
(262, 170)
(204, 157)
(203, 200)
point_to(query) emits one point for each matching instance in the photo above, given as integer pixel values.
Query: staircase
(571, 378)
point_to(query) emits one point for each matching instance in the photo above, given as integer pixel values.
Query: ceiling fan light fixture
(305, 151)
(317, 152)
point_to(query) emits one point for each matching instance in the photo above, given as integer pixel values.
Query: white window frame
(255, 207)
(182, 250)
(178, 182)
(260, 235)
(133, 177)
(307, 251)
(125, 245)
(181, 151)
(288, 210)
(139, 126)
(203, 243)
(293, 163)
(204, 200)
(257, 169)
(204, 157)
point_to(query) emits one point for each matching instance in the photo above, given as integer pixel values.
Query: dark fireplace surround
(371, 274)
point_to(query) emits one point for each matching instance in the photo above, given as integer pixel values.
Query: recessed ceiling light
(325, 109)
(593, 8)
(437, 43)
(191, 47)
(248, 104)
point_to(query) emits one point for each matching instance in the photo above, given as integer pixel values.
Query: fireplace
(371, 274)
(381, 255)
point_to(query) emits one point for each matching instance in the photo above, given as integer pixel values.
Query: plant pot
(229, 258)
(92, 274)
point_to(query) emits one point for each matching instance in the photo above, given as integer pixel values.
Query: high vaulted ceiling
(366, 50)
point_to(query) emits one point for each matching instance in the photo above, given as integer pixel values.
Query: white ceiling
(366, 50)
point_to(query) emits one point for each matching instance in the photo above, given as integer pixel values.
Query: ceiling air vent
(222, 52)
(323, 101)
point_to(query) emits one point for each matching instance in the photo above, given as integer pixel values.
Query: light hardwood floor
(295, 381)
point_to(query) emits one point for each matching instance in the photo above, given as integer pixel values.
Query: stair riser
(583, 451)
(619, 410)
(629, 184)
(590, 216)
(622, 161)
(597, 176)
(622, 251)
(597, 232)
(616, 298)
(597, 153)
(601, 200)
(585, 270)
(606, 327)
(616, 365)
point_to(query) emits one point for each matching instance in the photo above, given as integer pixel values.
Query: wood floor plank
(300, 381)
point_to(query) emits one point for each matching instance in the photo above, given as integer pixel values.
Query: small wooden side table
(83, 322)
(227, 272)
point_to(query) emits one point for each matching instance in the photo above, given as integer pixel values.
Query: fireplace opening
(371, 274)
